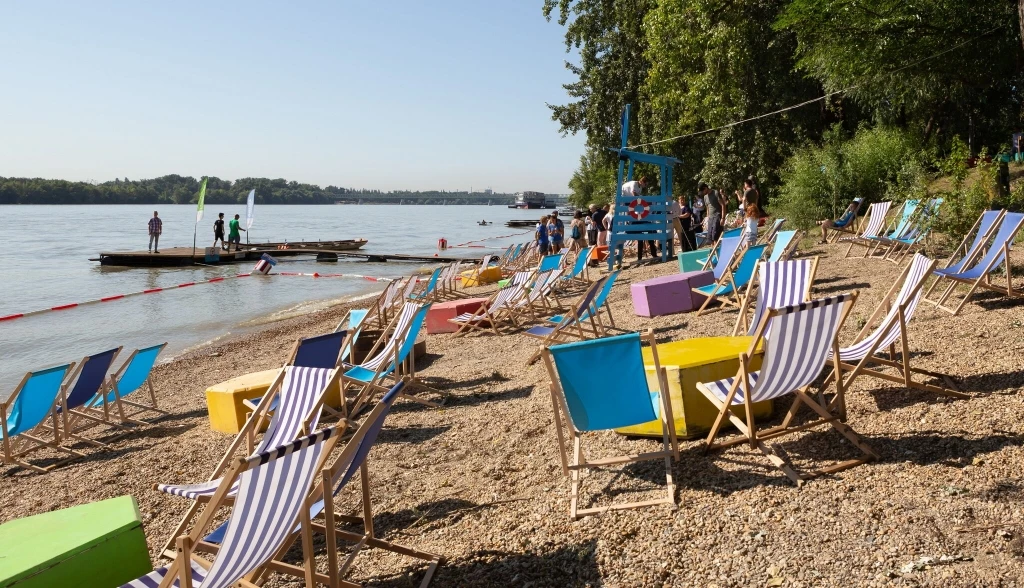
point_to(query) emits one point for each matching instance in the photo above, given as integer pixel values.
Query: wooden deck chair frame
(851, 228)
(962, 254)
(860, 238)
(71, 418)
(732, 298)
(743, 320)
(579, 462)
(538, 304)
(756, 438)
(574, 330)
(486, 319)
(29, 441)
(902, 366)
(128, 416)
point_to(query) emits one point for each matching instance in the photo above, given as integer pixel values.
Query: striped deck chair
(589, 400)
(727, 288)
(891, 316)
(964, 254)
(876, 221)
(134, 374)
(582, 322)
(794, 355)
(779, 284)
(785, 245)
(23, 413)
(484, 264)
(540, 300)
(600, 301)
(979, 275)
(429, 290)
(497, 311)
(322, 352)
(769, 235)
(847, 223)
(374, 317)
(298, 394)
(90, 381)
(269, 491)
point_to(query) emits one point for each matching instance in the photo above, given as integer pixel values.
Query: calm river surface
(45, 255)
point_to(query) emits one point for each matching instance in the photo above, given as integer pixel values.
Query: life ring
(639, 208)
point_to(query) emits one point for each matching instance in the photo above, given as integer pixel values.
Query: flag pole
(195, 229)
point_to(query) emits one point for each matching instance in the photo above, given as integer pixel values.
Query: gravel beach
(478, 481)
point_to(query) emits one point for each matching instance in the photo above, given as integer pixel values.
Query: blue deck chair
(723, 256)
(572, 325)
(779, 284)
(979, 274)
(270, 502)
(964, 255)
(772, 231)
(784, 246)
(578, 273)
(90, 381)
(550, 262)
(322, 351)
(134, 374)
(601, 300)
(794, 355)
(727, 288)
(591, 401)
(904, 227)
(428, 292)
(22, 415)
(914, 237)
(845, 223)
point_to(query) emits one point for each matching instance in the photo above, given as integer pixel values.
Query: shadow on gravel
(565, 566)
(993, 383)
(1001, 302)
(423, 516)
(892, 398)
(845, 287)
(92, 455)
(443, 383)
(410, 434)
(427, 359)
(831, 280)
(951, 450)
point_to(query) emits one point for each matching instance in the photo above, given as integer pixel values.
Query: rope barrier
(488, 239)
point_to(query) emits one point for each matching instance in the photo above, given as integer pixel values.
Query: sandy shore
(478, 481)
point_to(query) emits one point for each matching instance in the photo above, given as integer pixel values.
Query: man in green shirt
(233, 236)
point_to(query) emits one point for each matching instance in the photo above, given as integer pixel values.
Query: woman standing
(577, 229)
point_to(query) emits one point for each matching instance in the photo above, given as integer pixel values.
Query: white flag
(250, 205)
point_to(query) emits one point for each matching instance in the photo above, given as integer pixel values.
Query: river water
(45, 262)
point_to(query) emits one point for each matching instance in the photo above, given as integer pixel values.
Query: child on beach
(541, 235)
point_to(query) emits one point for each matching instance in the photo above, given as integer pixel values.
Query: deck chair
(785, 245)
(964, 255)
(298, 395)
(90, 381)
(875, 223)
(702, 238)
(550, 262)
(582, 322)
(979, 274)
(600, 302)
(779, 284)
(540, 300)
(134, 374)
(723, 255)
(579, 272)
(844, 224)
(897, 228)
(484, 264)
(727, 288)
(589, 400)
(379, 314)
(915, 237)
(772, 231)
(428, 292)
(794, 355)
(268, 496)
(23, 413)
(891, 316)
(500, 309)
(321, 352)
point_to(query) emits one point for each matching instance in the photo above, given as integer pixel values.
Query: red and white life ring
(639, 208)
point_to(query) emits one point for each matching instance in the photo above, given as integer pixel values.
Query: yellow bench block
(704, 359)
(487, 276)
(224, 401)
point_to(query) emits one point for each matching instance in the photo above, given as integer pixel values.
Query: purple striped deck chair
(979, 275)
(892, 315)
(272, 490)
(498, 311)
(779, 284)
(875, 225)
(540, 300)
(298, 394)
(794, 355)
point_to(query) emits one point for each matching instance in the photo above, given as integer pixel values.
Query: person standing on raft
(156, 226)
(233, 235)
(218, 231)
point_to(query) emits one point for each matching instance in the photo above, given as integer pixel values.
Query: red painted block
(439, 313)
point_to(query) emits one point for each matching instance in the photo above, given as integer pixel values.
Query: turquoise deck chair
(600, 300)
(24, 412)
(133, 375)
(428, 290)
(550, 262)
(579, 268)
(731, 284)
(783, 247)
(356, 317)
(589, 401)
(914, 237)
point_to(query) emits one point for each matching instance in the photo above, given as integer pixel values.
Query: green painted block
(692, 261)
(93, 545)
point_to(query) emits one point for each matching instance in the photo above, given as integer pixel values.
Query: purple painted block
(669, 294)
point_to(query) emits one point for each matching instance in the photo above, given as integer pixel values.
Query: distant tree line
(175, 189)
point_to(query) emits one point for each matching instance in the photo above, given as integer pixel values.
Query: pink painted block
(669, 294)
(439, 313)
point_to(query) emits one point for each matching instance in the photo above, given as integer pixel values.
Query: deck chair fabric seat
(321, 351)
(784, 245)
(25, 410)
(729, 284)
(982, 230)
(583, 313)
(130, 378)
(497, 311)
(779, 284)
(90, 379)
(600, 301)
(877, 213)
(550, 262)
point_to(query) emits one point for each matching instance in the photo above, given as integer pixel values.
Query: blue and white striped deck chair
(964, 255)
(300, 390)
(794, 355)
(90, 380)
(979, 274)
(130, 378)
(321, 351)
(572, 325)
(270, 492)
(23, 413)
(589, 400)
(498, 311)
(894, 311)
(601, 300)
(429, 290)
(876, 222)
(779, 284)
(784, 246)
(540, 300)
(727, 288)
(550, 262)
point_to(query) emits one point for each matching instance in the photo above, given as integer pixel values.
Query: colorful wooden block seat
(96, 545)
(479, 278)
(669, 294)
(440, 312)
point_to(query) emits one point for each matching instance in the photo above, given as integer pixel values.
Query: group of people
(156, 228)
(550, 234)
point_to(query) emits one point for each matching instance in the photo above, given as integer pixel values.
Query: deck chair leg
(842, 428)
(575, 484)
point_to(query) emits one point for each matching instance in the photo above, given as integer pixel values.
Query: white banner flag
(249, 208)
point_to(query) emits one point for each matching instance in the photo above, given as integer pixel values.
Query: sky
(396, 95)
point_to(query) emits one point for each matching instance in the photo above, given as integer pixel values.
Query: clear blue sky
(396, 94)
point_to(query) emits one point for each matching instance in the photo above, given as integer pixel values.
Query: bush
(963, 204)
